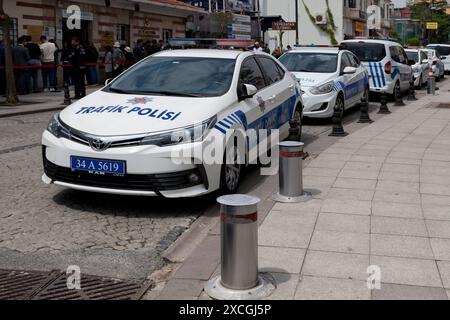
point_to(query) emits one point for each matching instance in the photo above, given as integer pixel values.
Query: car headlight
(189, 134)
(323, 89)
(56, 128)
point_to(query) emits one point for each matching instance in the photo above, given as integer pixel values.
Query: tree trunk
(11, 93)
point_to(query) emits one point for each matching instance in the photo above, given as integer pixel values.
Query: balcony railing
(355, 14)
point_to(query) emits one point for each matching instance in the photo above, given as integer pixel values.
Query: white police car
(146, 132)
(443, 51)
(328, 77)
(386, 62)
(420, 68)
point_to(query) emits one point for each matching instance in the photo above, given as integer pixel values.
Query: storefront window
(123, 34)
(12, 32)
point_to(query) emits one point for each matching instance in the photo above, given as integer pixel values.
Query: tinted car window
(366, 51)
(402, 55)
(394, 54)
(270, 70)
(413, 56)
(353, 60)
(310, 62)
(345, 62)
(443, 51)
(177, 76)
(251, 74)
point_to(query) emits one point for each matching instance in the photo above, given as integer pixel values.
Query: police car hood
(109, 114)
(312, 79)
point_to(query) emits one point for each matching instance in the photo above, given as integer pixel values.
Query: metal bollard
(67, 100)
(399, 99)
(291, 173)
(338, 129)
(364, 112)
(431, 88)
(412, 91)
(383, 104)
(239, 278)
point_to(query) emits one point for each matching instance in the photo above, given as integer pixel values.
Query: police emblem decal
(261, 103)
(140, 100)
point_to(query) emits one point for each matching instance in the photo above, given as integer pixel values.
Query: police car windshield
(413, 56)
(310, 62)
(366, 51)
(177, 76)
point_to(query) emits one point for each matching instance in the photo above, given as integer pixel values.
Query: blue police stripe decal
(394, 73)
(382, 74)
(378, 76)
(372, 75)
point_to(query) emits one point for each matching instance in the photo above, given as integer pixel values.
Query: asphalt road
(49, 227)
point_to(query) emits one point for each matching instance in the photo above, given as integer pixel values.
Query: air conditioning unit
(321, 19)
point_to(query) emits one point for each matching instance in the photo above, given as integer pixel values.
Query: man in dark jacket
(91, 58)
(139, 51)
(21, 57)
(2, 68)
(35, 62)
(78, 61)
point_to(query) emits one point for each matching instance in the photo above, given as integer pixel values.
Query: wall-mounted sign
(88, 16)
(281, 25)
(432, 25)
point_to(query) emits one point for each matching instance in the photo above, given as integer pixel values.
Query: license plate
(97, 165)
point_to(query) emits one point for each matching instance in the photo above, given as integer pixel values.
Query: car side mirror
(349, 70)
(247, 91)
(411, 62)
(443, 58)
(425, 61)
(107, 81)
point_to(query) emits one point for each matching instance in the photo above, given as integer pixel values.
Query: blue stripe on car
(382, 74)
(372, 74)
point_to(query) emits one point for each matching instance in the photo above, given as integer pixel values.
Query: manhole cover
(93, 288)
(22, 285)
(443, 106)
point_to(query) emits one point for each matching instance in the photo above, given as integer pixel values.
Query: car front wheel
(231, 172)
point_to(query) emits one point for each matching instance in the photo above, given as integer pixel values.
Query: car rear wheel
(397, 91)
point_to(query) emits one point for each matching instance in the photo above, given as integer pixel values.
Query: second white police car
(145, 133)
(386, 62)
(329, 77)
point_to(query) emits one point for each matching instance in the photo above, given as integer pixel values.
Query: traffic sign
(432, 25)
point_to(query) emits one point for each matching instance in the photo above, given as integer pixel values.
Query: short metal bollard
(67, 100)
(291, 173)
(239, 278)
(431, 88)
(399, 98)
(364, 111)
(411, 92)
(383, 104)
(338, 128)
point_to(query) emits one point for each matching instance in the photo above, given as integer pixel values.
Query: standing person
(65, 59)
(257, 48)
(138, 51)
(129, 59)
(55, 64)
(48, 50)
(277, 52)
(78, 62)
(118, 59)
(35, 62)
(21, 57)
(161, 45)
(91, 58)
(266, 48)
(108, 62)
(289, 48)
(2, 69)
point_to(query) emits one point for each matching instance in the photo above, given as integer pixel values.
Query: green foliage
(328, 29)
(423, 11)
(413, 42)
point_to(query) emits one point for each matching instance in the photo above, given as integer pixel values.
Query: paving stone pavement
(383, 200)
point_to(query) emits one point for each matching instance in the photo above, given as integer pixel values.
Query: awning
(266, 22)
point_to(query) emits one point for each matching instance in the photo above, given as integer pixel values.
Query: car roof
(413, 50)
(315, 49)
(438, 45)
(372, 41)
(202, 53)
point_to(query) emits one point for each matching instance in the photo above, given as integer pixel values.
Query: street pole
(296, 22)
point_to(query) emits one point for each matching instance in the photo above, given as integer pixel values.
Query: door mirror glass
(247, 91)
(411, 62)
(349, 70)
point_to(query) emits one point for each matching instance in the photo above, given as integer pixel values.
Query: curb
(25, 112)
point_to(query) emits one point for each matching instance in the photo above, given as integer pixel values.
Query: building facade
(349, 16)
(102, 21)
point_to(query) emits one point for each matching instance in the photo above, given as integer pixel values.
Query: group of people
(277, 52)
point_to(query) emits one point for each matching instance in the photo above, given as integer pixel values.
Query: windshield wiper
(119, 90)
(170, 93)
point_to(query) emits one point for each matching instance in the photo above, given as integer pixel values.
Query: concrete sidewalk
(39, 102)
(382, 198)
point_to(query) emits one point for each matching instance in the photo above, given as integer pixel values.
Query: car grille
(141, 182)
